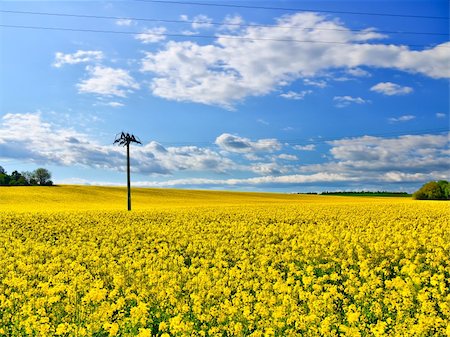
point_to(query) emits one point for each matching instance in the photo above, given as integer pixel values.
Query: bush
(433, 190)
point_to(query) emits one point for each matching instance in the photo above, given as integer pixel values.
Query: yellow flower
(215, 263)
(144, 333)
(163, 326)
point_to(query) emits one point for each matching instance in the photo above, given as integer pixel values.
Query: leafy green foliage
(40, 176)
(433, 190)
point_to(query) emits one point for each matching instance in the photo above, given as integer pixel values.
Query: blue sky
(312, 98)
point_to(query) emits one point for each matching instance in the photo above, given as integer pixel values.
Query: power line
(295, 9)
(308, 141)
(213, 23)
(227, 37)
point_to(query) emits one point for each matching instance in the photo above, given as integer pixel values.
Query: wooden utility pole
(125, 139)
(128, 177)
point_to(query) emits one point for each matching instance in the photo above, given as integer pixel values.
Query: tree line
(433, 190)
(368, 193)
(40, 176)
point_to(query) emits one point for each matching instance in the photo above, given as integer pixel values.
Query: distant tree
(444, 185)
(433, 190)
(29, 177)
(447, 191)
(17, 179)
(15, 175)
(22, 181)
(4, 179)
(42, 176)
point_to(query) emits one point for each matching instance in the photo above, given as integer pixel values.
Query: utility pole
(125, 139)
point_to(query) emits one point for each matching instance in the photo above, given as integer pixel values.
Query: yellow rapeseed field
(192, 263)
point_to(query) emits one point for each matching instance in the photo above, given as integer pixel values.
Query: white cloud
(292, 180)
(441, 115)
(198, 22)
(309, 147)
(403, 118)
(112, 104)
(229, 70)
(107, 81)
(182, 158)
(391, 89)
(361, 160)
(285, 156)
(201, 22)
(238, 144)
(252, 156)
(262, 121)
(269, 169)
(343, 101)
(315, 83)
(125, 22)
(115, 104)
(188, 33)
(296, 95)
(232, 22)
(358, 72)
(152, 35)
(409, 154)
(80, 56)
(295, 179)
(183, 74)
(377, 160)
(27, 137)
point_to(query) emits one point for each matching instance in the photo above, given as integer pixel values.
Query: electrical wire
(308, 141)
(294, 9)
(227, 37)
(213, 23)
